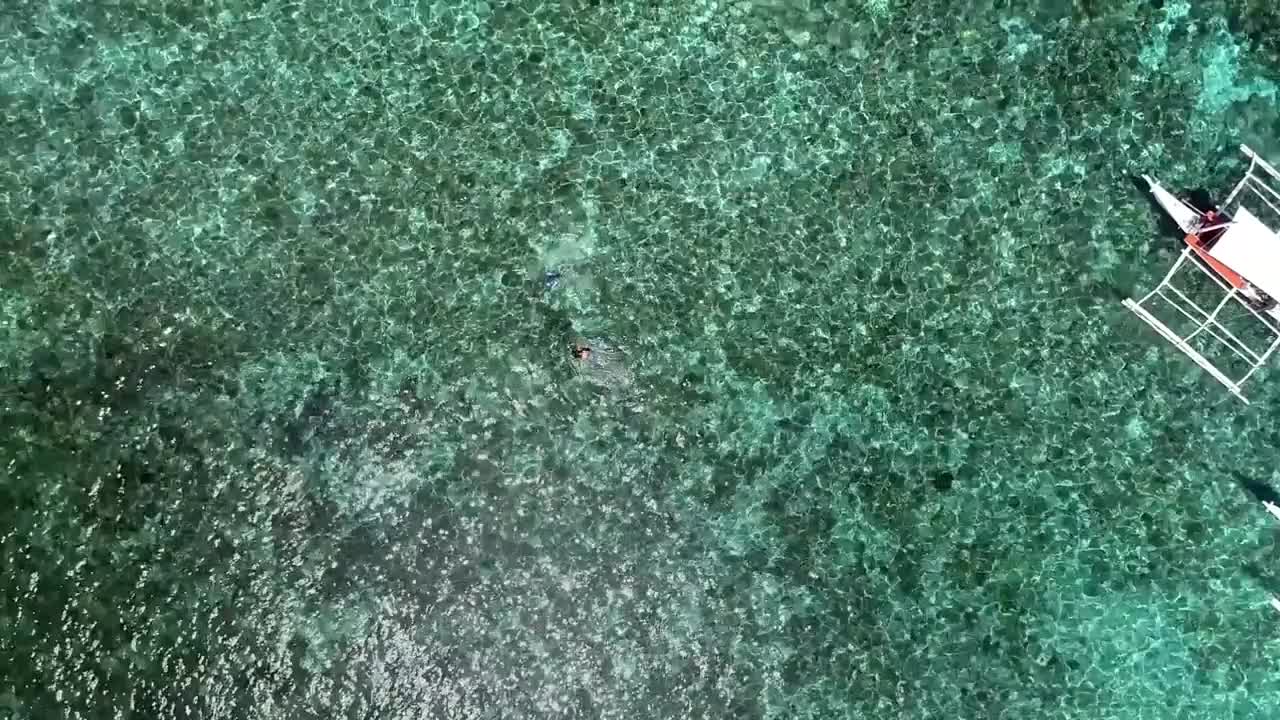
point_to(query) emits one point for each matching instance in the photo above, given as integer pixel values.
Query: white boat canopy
(1253, 248)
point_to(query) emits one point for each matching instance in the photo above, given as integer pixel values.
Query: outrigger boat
(1239, 251)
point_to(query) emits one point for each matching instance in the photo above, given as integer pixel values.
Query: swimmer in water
(551, 280)
(600, 362)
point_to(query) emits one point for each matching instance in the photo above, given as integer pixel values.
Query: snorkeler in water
(551, 280)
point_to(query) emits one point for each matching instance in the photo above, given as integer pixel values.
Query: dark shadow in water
(1265, 576)
(1259, 491)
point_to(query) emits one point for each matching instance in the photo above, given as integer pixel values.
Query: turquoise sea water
(291, 428)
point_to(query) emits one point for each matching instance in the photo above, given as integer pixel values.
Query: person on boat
(1214, 221)
(581, 352)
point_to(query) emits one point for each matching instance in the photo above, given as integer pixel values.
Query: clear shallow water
(291, 429)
